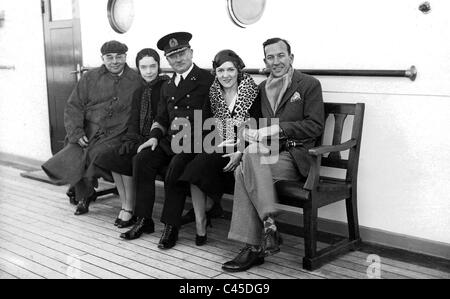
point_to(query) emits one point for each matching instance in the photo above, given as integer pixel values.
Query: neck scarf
(276, 88)
(146, 119)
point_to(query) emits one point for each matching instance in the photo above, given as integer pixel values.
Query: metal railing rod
(410, 73)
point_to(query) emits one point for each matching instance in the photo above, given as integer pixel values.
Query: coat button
(187, 117)
(188, 96)
(176, 107)
(173, 98)
(176, 118)
(187, 107)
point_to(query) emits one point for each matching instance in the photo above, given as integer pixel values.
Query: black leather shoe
(169, 237)
(142, 225)
(83, 206)
(272, 242)
(188, 217)
(201, 240)
(244, 260)
(71, 194)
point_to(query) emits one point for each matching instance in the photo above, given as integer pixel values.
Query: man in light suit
(293, 106)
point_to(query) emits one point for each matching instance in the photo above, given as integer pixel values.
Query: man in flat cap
(95, 118)
(181, 96)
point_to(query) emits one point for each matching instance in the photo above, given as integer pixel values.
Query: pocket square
(296, 97)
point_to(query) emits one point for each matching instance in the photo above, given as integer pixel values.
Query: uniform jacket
(178, 102)
(98, 108)
(301, 115)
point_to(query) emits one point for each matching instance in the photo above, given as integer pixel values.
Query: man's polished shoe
(83, 206)
(246, 259)
(169, 237)
(143, 225)
(272, 242)
(71, 194)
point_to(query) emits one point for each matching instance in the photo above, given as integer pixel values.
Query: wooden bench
(319, 191)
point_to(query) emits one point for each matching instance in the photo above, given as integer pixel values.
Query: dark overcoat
(301, 115)
(98, 108)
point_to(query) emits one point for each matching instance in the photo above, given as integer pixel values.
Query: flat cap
(174, 42)
(114, 46)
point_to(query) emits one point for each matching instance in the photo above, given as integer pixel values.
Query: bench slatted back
(340, 113)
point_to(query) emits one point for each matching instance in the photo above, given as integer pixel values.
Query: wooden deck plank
(17, 271)
(34, 203)
(299, 266)
(40, 226)
(57, 250)
(6, 275)
(41, 259)
(123, 264)
(156, 255)
(61, 231)
(30, 265)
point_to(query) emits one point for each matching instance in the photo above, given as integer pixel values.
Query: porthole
(246, 12)
(121, 15)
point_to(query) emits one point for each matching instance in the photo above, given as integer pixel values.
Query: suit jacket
(301, 115)
(180, 102)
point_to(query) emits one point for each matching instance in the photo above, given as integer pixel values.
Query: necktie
(181, 80)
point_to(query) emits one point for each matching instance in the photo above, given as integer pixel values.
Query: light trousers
(255, 195)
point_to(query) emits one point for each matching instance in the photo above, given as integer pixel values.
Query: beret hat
(114, 47)
(228, 55)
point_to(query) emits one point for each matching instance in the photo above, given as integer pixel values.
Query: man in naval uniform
(181, 96)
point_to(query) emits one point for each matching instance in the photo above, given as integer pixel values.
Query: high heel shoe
(201, 240)
(118, 220)
(128, 223)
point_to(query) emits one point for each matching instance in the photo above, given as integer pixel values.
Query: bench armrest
(317, 151)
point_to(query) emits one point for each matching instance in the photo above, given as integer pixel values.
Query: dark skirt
(206, 172)
(111, 160)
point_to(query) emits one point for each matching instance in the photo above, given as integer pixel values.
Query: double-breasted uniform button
(176, 107)
(188, 96)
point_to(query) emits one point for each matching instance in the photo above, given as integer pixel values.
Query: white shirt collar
(185, 74)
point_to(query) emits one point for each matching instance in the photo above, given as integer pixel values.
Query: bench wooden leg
(310, 235)
(352, 217)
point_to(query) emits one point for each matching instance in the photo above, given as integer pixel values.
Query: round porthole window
(121, 15)
(246, 12)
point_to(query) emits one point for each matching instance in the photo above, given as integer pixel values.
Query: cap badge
(173, 43)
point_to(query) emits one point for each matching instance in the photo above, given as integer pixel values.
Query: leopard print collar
(226, 120)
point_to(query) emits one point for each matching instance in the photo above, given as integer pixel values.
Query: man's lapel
(290, 92)
(188, 84)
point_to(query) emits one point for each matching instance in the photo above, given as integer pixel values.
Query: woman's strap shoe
(201, 240)
(125, 224)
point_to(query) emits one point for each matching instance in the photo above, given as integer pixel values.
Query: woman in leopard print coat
(233, 99)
